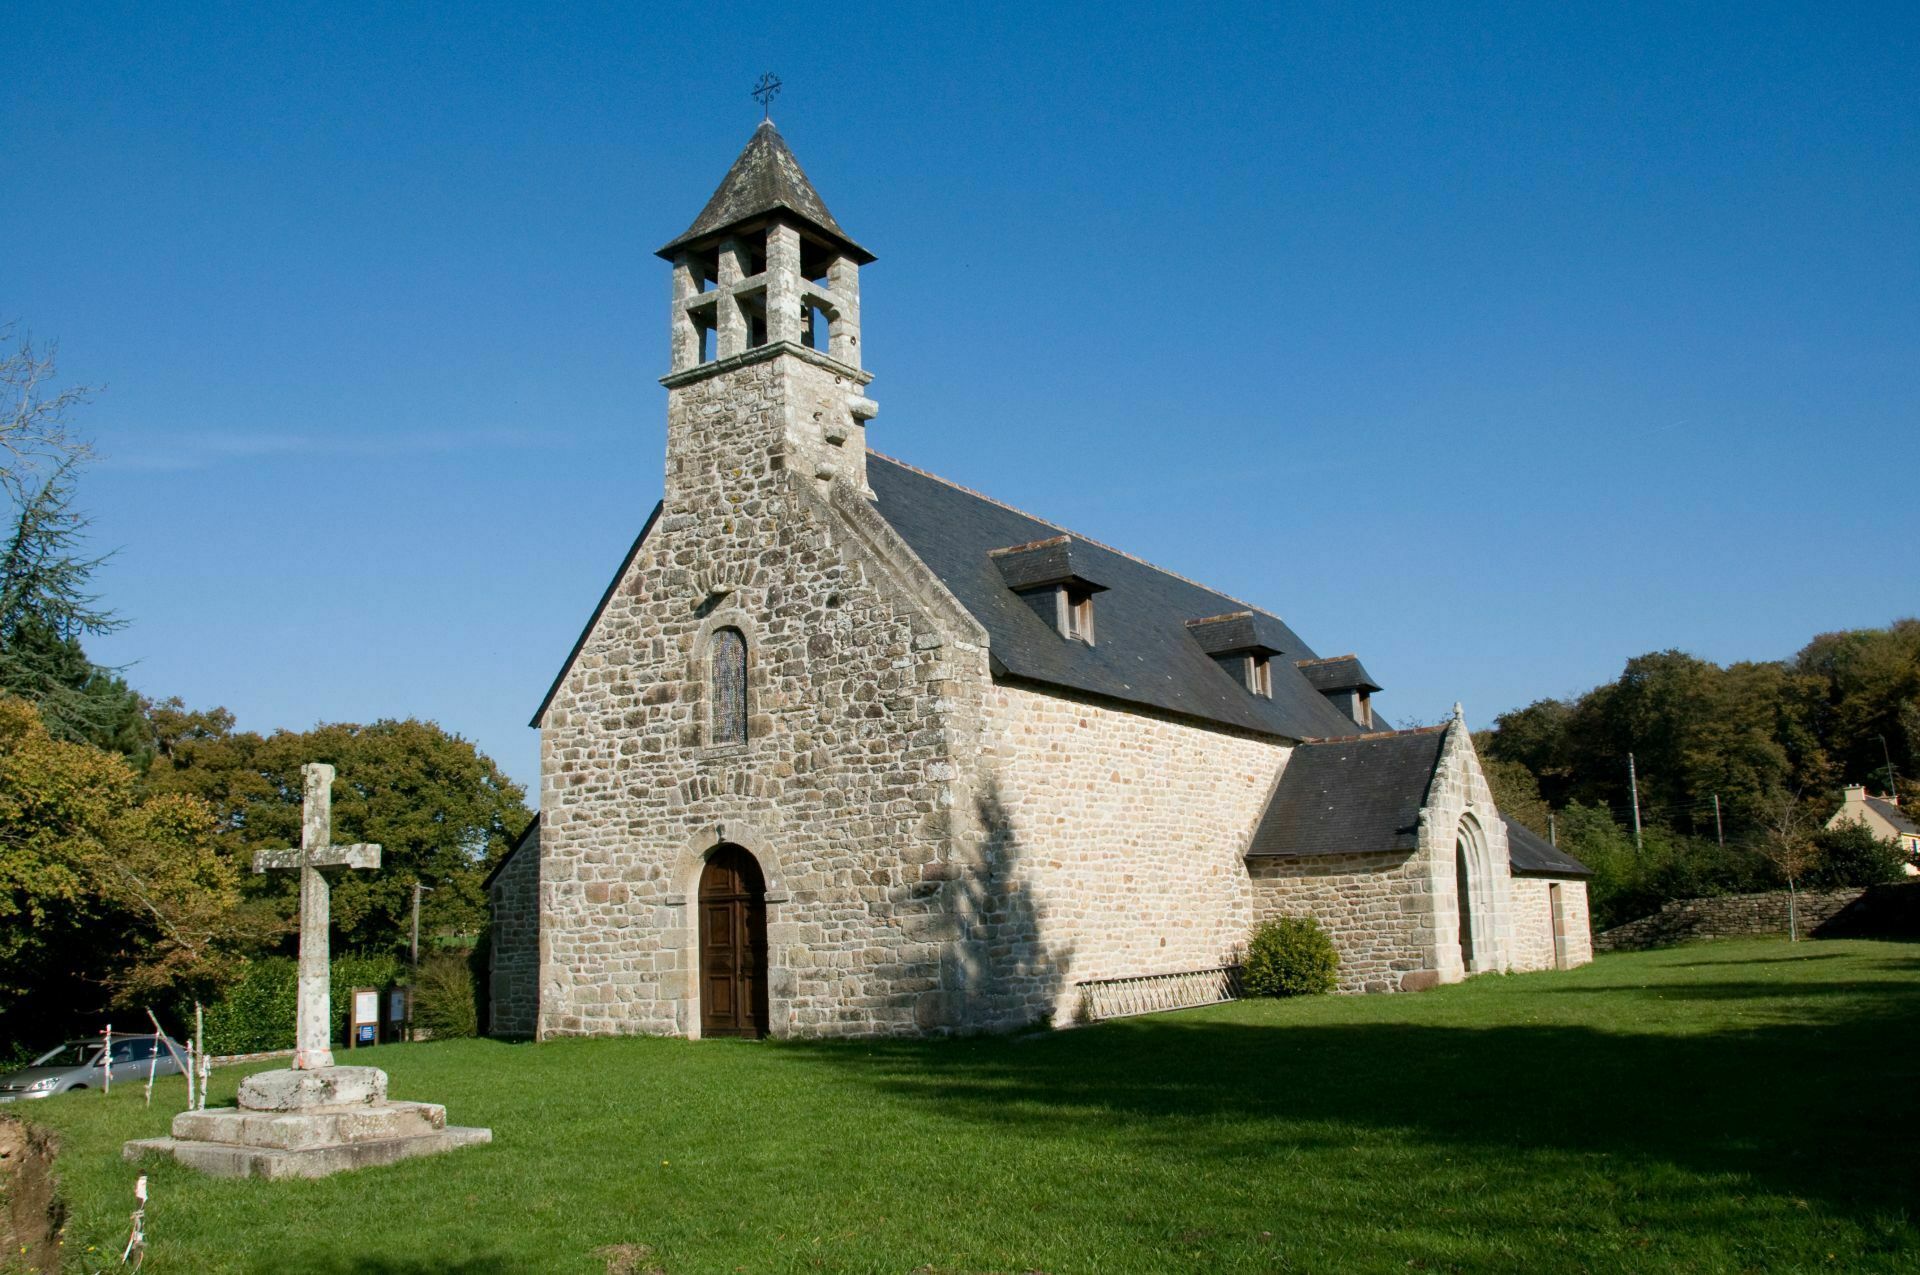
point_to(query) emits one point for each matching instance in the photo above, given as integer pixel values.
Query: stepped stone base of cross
(313, 1118)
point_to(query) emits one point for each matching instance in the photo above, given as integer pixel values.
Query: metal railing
(1153, 993)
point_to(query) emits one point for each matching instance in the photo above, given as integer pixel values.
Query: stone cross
(313, 1034)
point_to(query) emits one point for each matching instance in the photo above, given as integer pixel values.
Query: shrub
(1851, 855)
(258, 1010)
(1290, 956)
(444, 998)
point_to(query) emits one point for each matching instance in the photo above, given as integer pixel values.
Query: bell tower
(765, 332)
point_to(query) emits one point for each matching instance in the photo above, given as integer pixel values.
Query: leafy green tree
(440, 809)
(1517, 793)
(107, 894)
(46, 600)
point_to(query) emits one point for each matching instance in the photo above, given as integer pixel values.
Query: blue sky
(1496, 343)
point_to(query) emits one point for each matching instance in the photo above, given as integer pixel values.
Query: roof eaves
(594, 619)
(505, 859)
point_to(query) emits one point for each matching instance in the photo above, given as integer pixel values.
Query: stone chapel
(847, 749)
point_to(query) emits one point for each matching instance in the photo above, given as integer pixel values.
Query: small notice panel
(366, 1017)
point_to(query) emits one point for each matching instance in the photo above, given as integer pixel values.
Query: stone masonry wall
(863, 686)
(1375, 907)
(513, 942)
(1115, 840)
(1460, 802)
(1533, 923)
(1729, 916)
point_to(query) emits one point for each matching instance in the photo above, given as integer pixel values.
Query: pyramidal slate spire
(766, 178)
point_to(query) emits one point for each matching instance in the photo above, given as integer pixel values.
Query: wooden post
(185, 1064)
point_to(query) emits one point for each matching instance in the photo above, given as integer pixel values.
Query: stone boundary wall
(258, 1055)
(1726, 916)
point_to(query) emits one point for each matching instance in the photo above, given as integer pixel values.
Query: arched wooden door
(733, 945)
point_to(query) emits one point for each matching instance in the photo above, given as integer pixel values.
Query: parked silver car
(81, 1064)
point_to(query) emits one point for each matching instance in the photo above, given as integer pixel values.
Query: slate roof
(530, 832)
(1532, 855)
(1350, 796)
(1145, 654)
(606, 596)
(1893, 814)
(1338, 673)
(765, 178)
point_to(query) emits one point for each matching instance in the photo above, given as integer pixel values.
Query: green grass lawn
(1739, 1106)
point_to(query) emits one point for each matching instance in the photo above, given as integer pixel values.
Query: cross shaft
(312, 1041)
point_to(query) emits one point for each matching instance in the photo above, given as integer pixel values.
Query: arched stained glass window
(729, 687)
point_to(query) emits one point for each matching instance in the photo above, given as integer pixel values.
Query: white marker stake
(137, 1237)
(106, 1061)
(153, 1060)
(200, 1047)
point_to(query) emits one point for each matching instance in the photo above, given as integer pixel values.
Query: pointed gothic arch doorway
(733, 945)
(1463, 892)
(1470, 885)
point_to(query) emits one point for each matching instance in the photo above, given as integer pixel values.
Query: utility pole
(1892, 793)
(418, 890)
(1633, 782)
(413, 979)
(1553, 834)
(1718, 834)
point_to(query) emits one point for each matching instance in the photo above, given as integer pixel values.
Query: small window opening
(729, 687)
(753, 312)
(707, 338)
(814, 328)
(1260, 676)
(1076, 613)
(1365, 715)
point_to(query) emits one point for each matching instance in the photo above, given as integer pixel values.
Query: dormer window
(1243, 643)
(1260, 676)
(1051, 577)
(1345, 683)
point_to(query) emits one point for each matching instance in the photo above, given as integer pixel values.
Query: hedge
(257, 1013)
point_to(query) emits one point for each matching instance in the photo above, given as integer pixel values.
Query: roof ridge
(1376, 734)
(1327, 659)
(1068, 531)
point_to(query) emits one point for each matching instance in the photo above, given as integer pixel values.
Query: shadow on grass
(1852, 989)
(1762, 960)
(1819, 1109)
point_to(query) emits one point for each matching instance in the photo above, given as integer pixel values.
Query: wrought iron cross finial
(765, 91)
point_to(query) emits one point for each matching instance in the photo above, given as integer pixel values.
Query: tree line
(1737, 768)
(128, 823)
